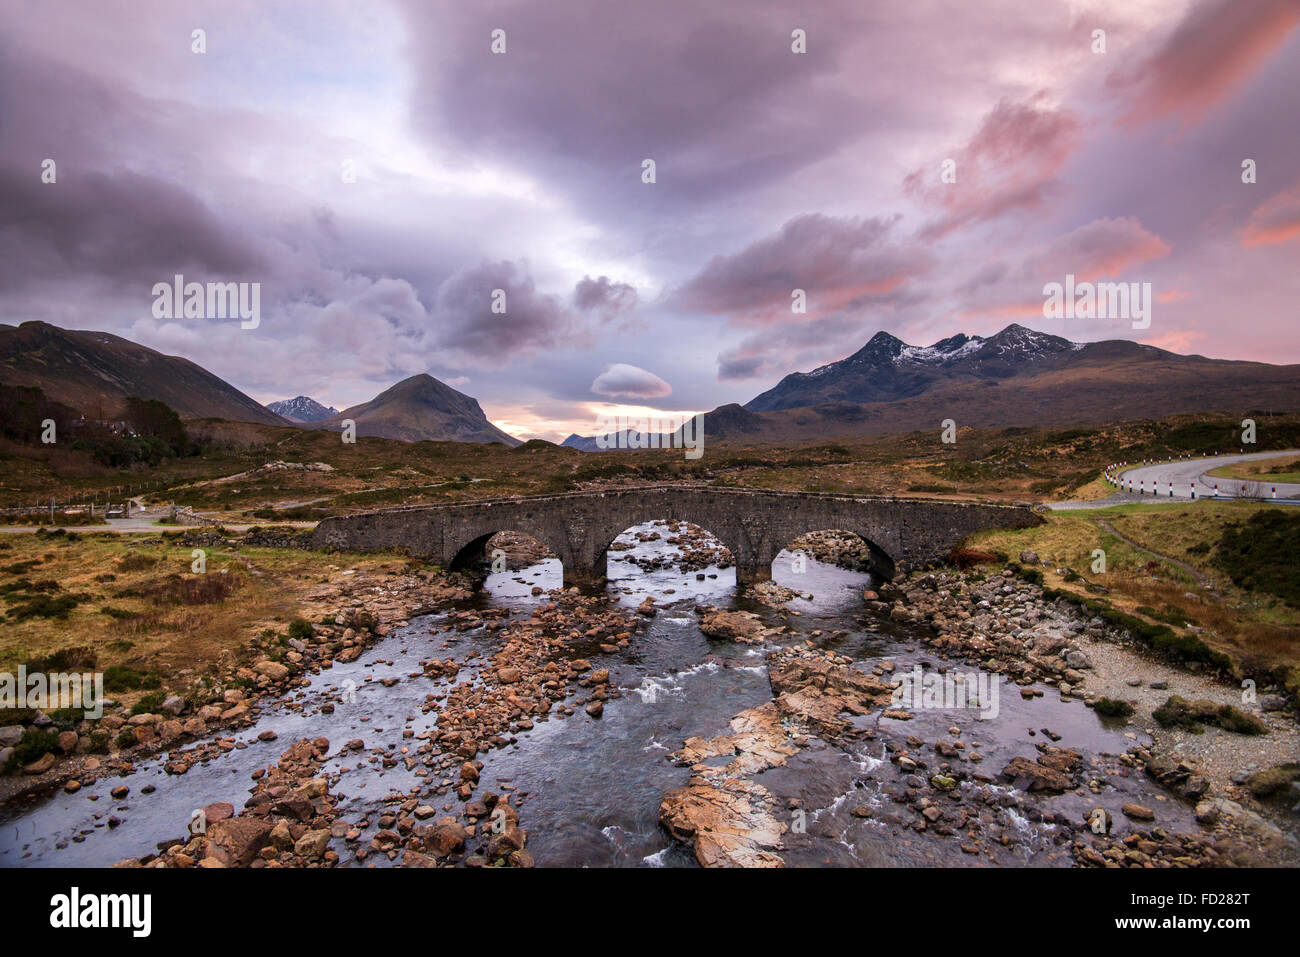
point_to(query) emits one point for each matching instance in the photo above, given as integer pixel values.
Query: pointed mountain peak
(882, 347)
(1020, 342)
(302, 408)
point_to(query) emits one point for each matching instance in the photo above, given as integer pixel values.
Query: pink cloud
(1103, 247)
(838, 262)
(1215, 48)
(1176, 341)
(1010, 163)
(1277, 220)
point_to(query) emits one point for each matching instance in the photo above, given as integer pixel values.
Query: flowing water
(589, 789)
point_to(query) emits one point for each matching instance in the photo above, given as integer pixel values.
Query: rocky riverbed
(670, 721)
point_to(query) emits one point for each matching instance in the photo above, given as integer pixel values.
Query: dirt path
(1199, 576)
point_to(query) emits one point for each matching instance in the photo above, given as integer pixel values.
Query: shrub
(70, 659)
(1110, 708)
(301, 629)
(1263, 784)
(1234, 719)
(136, 562)
(35, 743)
(1264, 554)
(964, 556)
(122, 678)
(190, 590)
(149, 704)
(1031, 575)
(45, 606)
(1190, 715)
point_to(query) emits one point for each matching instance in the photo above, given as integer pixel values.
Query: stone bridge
(755, 524)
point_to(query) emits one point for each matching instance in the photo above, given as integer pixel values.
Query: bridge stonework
(755, 524)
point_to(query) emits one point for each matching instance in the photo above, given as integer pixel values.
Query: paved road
(1188, 475)
(135, 525)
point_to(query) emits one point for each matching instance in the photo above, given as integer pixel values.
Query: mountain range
(1018, 377)
(302, 408)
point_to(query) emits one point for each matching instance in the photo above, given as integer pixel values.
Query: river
(588, 790)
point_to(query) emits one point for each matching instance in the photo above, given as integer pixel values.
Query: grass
(1263, 553)
(144, 619)
(1254, 630)
(1280, 469)
(62, 519)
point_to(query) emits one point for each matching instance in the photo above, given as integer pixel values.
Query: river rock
(41, 764)
(218, 811)
(272, 669)
(237, 841)
(447, 837)
(738, 626)
(729, 824)
(1054, 771)
(312, 844)
(1138, 813)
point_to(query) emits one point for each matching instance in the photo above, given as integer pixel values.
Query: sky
(382, 169)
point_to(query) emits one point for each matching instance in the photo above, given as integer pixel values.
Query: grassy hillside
(1190, 573)
(229, 475)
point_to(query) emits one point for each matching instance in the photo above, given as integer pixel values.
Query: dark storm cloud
(123, 226)
(588, 89)
(840, 263)
(603, 296)
(98, 217)
(466, 326)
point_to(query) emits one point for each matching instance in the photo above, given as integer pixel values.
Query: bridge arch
(515, 543)
(843, 547)
(697, 547)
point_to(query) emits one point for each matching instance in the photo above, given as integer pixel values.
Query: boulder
(312, 844)
(236, 842)
(218, 811)
(41, 764)
(447, 837)
(272, 669)
(738, 626)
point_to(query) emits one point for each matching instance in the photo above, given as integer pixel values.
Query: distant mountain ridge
(302, 408)
(887, 368)
(94, 372)
(418, 408)
(1019, 377)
